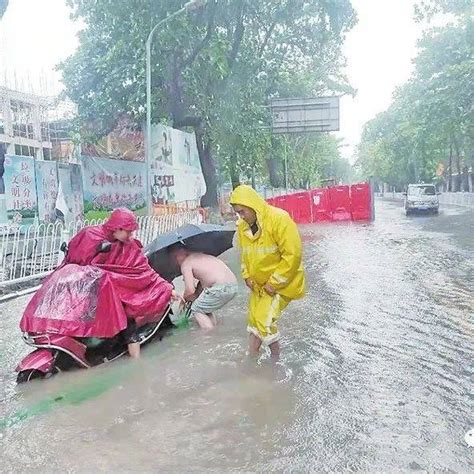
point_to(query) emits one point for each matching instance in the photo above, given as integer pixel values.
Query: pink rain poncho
(91, 294)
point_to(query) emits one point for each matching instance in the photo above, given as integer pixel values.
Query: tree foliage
(427, 9)
(313, 158)
(3, 7)
(213, 68)
(427, 133)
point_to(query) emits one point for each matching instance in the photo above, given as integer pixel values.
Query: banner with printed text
(112, 183)
(47, 189)
(20, 188)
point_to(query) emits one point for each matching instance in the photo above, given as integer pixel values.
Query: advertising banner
(125, 142)
(20, 188)
(111, 183)
(47, 189)
(176, 174)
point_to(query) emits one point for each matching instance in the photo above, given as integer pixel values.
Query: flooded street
(376, 373)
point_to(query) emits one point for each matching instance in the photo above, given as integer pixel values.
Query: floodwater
(376, 373)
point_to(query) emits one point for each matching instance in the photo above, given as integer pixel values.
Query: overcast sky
(37, 34)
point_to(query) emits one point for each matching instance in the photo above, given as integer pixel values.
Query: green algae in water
(73, 396)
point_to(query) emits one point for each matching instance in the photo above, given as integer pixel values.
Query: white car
(421, 197)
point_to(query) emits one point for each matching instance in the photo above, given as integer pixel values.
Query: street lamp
(188, 6)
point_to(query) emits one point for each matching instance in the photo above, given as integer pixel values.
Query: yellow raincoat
(272, 255)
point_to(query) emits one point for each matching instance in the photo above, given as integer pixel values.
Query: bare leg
(134, 350)
(275, 350)
(204, 321)
(254, 345)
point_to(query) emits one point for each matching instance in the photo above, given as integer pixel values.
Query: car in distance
(421, 197)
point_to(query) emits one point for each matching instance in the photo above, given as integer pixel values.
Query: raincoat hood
(247, 196)
(121, 218)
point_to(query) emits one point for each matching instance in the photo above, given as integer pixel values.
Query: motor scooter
(57, 352)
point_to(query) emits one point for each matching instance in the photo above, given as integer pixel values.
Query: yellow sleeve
(289, 244)
(243, 266)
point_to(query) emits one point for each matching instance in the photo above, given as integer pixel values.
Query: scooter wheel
(32, 374)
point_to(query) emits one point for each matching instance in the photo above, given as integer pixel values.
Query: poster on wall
(70, 192)
(111, 183)
(123, 143)
(47, 189)
(176, 174)
(3, 203)
(20, 188)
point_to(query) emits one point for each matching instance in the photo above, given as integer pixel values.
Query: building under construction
(31, 125)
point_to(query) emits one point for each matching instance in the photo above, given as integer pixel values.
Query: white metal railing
(450, 199)
(28, 252)
(457, 199)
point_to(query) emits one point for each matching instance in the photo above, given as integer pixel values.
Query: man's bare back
(208, 270)
(217, 284)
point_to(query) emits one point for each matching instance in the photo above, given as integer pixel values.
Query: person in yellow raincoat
(271, 253)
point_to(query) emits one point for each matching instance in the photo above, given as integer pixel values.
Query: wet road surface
(376, 374)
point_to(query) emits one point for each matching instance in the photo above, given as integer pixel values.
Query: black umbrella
(206, 238)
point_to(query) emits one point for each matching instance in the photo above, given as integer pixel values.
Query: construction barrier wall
(340, 199)
(335, 203)
(361, 202)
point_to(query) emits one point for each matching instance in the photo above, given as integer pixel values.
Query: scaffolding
(38, 126)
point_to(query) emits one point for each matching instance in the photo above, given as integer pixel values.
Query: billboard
(47, 189)
(123, 143)
(299, 115)
(175, 169)
(111, 183)
(20, 187)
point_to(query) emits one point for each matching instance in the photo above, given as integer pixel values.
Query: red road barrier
(336, 203)
(300, 207)
(361, 204)
(283, 202)
(340, 199)
(320, 205)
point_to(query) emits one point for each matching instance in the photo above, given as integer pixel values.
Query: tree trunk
(465, 179)
(208, 169)
(273, 173)
(457, 187)
(234, 173)
(450, 167)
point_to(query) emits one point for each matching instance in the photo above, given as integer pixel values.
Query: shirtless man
(219, 284)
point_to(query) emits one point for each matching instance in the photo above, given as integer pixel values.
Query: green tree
(313, 158)
(428, 129)
(223, 60)
(427, 9)
(3, 7)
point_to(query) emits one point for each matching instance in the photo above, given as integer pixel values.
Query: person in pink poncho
(98, 294)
